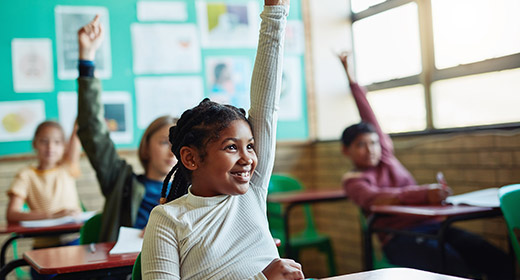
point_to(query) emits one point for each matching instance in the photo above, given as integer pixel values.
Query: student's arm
(365, 110)
(365, 194)
(160, 252)
(266, 87)
(92, 130)
(72, 153)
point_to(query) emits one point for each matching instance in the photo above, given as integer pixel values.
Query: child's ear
(345, 151)
(189, 158)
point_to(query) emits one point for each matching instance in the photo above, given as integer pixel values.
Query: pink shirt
(389, 181)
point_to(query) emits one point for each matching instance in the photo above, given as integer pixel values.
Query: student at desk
(49, 188)
(129, 197)
(379, 178)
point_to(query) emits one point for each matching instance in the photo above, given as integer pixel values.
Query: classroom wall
(470, 161)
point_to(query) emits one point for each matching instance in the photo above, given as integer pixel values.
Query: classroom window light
(387, 45)
(467, 31)
(399, 109)
(361, 5)
(482, 99)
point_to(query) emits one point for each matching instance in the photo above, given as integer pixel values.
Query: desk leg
(10, 267)
(367, 243)
(287, 234)
(5, 246)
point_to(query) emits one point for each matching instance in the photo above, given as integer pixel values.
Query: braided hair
(196, 128)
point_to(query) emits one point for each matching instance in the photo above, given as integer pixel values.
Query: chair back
(136, 270)
(89, 232)
(283, 183)
(510, 204)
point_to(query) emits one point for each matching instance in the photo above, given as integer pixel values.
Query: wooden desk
(295, 198)
(76, 262)
(395, 273)
(17, 231)
(450, 214)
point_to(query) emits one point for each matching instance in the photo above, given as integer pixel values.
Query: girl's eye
(250, 146)
(232, 147)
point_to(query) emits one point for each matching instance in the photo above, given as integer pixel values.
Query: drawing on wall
(291, 95)
(294, 37)
(165, 48)
(32, 65)
(118, 113)
(228, 79)
(158, 96)
(19, 119)
(69, 19)
(228, 25)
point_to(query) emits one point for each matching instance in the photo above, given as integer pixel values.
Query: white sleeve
(265, 90)
(159, 256)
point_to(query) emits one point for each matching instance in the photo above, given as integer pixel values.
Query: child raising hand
(213, 224)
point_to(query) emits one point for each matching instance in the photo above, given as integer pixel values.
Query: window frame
(430, 73)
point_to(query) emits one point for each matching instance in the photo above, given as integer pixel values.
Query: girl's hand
(90, 37)
(276, 2)
(65, 212)
(283, 269)
(437, 193)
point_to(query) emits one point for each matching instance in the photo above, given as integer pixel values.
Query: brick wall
(470, 161)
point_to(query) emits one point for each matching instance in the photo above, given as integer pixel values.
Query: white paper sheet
(291, 96)
(82, 217)
(158, 96)
(32, 65)
(19, 119)
(165, 48)
(129, 240)
(161, 10)
(484, 198)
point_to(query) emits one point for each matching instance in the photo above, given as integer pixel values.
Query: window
(436, 64)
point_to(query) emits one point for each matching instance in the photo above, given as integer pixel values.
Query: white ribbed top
(226, 237)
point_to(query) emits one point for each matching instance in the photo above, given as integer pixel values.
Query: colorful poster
(228, 25)
(291, 96)
(69, 19)
(165, 48)
(19, 119)
(32, 65)
(229, 80)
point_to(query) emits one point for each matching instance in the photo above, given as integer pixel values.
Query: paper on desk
(129, 240)
(80, 218)
(484, 198)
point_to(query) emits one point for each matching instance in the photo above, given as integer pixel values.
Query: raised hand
(276, 2)
(283, 269)
(90, 37)
(343, 57)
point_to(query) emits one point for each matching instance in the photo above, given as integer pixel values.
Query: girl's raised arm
(266, 87)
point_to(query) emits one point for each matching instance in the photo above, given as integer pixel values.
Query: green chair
(308, 237)
(379, 259)
(510, 204)
(89, 232)
(136, 271)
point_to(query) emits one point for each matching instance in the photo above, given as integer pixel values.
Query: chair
(379, 259)
(509, 203)
(307, 238)
(89, 232)
(136, 270)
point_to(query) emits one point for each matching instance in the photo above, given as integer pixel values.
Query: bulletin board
(158, 57)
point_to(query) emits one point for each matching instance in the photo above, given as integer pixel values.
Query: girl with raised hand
(213, 222)
(129, 197)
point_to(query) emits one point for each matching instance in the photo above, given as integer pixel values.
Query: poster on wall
(228, 79)
(19, 119)
(228, 25)
(162, 11)
(291, 95)
(118, 113)
(32, 65)
(69, 19)
(294, 37)
(158, 96)
(165, 48)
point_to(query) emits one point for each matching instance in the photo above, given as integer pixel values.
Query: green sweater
(122, 191)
